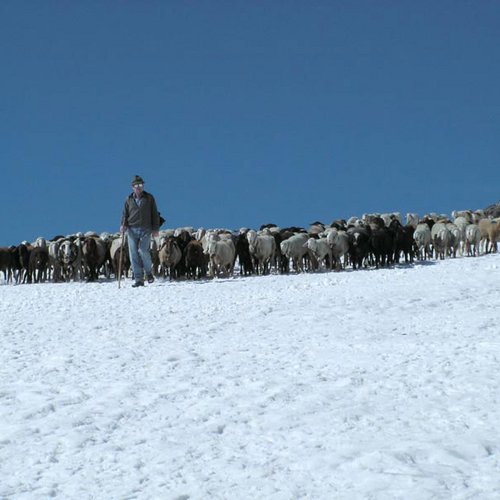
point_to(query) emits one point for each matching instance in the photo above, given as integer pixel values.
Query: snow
(353, 385)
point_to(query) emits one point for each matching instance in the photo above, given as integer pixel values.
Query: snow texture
(353, 385)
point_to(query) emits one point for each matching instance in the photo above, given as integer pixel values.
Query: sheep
(293, 248)
(484, 226)
(221, 253)
(440, 235)
(359, 245)
(423, 239)
(183, 237)
(54, 263)
(170, 256)
(212, 235)
(472, 240)
(243, 253)
(116, 251)
(262, 248)
(283, 265)
(195, 260)
(279, 262)
(382, 246)
(339, 243)
(155, 258)
(320, 249)
(456, 239)
(494, 233)
(69, 257)
(6, 263)
(15, 262)
(107, 239)
(21, 262)
(93, 256)
(38, 263)
(461, 222)
(403, 241)
(490, 234)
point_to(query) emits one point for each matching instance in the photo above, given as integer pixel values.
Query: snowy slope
(368, 384)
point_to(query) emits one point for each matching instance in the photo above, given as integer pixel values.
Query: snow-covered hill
(368, 384)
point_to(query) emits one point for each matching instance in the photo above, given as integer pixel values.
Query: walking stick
(120, 260)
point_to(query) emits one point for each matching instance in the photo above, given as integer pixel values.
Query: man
(141, 221)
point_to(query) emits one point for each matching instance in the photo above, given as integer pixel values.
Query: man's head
(138, 184)
(137, 180)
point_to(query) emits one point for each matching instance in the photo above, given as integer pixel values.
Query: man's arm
(155, 217)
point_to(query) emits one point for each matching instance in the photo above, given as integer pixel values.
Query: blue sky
(240, 113)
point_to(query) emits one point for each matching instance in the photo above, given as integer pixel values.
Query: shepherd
(141, 220)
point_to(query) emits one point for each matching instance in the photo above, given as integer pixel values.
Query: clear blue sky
(239, 113)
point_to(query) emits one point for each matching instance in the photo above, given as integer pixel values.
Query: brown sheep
(490, 234)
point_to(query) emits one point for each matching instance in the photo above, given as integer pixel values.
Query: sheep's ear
(305, 244)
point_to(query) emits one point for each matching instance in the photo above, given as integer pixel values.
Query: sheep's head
(67, 252)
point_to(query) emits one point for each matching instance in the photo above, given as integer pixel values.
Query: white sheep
(262, 248)
(423, 239)
(339, 243)
(320, 249)
(293, 248)
(440, 239)
(472, 240)
(461, 222)
(455, 239)
(222, 254)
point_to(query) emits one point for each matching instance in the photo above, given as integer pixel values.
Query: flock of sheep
(372, 240)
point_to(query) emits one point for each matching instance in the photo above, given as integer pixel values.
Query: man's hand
(122, 229)
(155, 234)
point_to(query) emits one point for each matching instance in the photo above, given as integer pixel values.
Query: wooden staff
(120, 260)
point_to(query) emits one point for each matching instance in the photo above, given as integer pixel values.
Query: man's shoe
(138, 283)
(150, 278)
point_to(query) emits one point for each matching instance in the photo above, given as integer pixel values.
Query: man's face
(138, 188)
